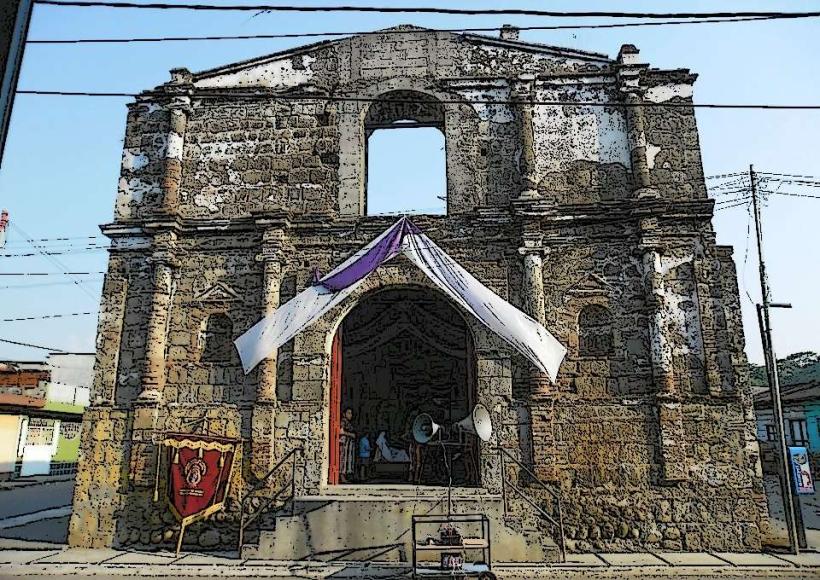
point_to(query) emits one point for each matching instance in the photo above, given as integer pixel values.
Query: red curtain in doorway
(335, 408)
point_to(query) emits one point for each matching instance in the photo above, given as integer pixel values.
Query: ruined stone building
(564, 195)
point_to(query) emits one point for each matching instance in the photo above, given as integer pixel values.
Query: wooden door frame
(335, 408)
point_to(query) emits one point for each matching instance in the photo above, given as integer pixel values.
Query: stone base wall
(606, 457)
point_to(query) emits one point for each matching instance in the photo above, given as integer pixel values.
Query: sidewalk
(113, 563)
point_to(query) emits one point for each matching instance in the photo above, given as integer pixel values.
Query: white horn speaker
(478, 423)
(424, 428)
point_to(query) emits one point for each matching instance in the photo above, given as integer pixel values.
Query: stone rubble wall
(651, 445)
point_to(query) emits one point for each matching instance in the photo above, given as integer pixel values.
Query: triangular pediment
(321, 62)
(219, 292)
(590, 285)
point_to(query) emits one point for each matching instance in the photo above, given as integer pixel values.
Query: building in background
(41, 408)
(801, 421)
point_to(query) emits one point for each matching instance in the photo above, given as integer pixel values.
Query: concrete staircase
(365, 523)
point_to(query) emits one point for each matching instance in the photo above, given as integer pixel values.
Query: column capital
(163, 258)
(522, 87)
(533, 243)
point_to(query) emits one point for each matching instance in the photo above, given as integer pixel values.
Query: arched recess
(399, 352)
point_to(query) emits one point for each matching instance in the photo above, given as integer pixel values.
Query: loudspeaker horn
(424, 428)
(478, 423)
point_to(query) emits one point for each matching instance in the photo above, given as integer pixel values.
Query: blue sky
(60, 171)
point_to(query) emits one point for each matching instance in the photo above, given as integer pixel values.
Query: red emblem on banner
(199, 472)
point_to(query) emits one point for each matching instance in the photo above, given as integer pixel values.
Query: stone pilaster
(533, 285)
(178, 110)
(629, 70)
(109, 338)
(156, 334)
(523, 94)
(703, 285)
(263, 419)
(668, 402)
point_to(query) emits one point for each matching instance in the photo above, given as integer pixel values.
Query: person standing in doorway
(365, 451)
(347, 448)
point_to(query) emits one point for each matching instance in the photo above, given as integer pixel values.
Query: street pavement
(15, 501)
(810, 508)
(36, 548)
(35, 513)
(112, 564)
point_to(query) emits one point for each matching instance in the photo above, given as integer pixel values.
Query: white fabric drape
(521, 331)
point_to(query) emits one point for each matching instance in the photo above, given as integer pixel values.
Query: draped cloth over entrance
(521, 331)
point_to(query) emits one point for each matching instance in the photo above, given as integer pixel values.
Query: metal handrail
(243, 523)
(554, 494)
(529, 472)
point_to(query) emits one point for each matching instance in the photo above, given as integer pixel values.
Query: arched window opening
(217, 339)
(406, 155)
(595, 331)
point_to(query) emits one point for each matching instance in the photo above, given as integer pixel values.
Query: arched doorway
(398, 353)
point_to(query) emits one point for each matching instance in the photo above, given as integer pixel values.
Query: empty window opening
(406, 170)
(595, 331)
(216, 339)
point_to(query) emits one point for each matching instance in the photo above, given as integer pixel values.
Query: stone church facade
(564, 196)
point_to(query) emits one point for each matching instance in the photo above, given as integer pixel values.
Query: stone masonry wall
(592, 219)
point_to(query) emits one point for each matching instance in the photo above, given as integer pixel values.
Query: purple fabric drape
(386, 249)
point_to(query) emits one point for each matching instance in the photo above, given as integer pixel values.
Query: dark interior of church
(406, 352)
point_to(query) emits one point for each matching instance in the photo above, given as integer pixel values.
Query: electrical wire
(421, 10)
(349, 99)
(731, 206)
(47, 316)
(29, 345)
(50, 273)
(790, 194)
(45, 284)
(389, 31)
(52, 253)
(57, 263)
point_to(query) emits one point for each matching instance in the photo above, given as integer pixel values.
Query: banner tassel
(200, 453)
(176, 456)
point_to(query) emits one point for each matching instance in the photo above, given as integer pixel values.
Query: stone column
(703, 291)
(264, 411)
(178, 109)
(629, 84)
(658, 310)
(524, 93)
(667, 399)
(533, 284)
(542, 395)
(153, 371)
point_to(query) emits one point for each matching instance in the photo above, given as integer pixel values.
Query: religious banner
(198, 471)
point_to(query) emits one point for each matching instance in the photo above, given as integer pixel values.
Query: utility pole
(791, 503)
(14, 19)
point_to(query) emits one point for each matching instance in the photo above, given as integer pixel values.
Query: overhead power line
(29, 345)
(790, 194)
(390, 31)
(420, 10)
(55, 261)
(332, 98)
(47, 316)
(50, 273)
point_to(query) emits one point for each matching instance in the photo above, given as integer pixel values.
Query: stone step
(360, 527)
